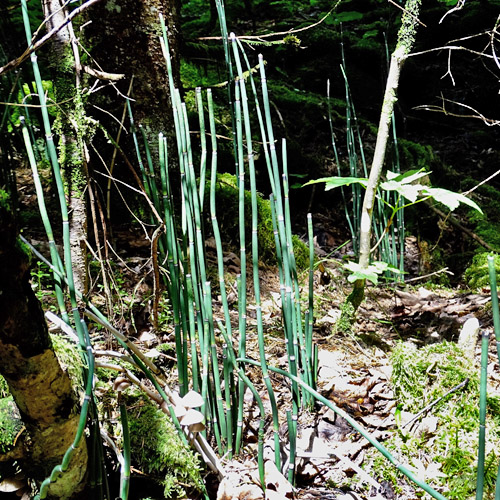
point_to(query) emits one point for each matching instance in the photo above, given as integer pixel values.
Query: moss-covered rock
(227, 195)
(158, 450)
(477, 274)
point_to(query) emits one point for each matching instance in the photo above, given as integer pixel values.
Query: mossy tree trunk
(406, 38)
(70, 126)
(41, 389)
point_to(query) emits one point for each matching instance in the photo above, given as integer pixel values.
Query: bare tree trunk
(41, 390)
(125, 40)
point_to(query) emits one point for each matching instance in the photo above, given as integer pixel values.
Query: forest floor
(355, 372)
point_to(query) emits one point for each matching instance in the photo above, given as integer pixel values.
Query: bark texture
(64, 62)
(41, 390)
(125, 39)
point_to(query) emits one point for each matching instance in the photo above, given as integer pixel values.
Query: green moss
(25, 249)
(193, 75)
(477, 274)
(227, 195)
(485, 225)
(69, 359)
(414, 155)
(294, 98)
(158, 450)
(4, 388)
(10, 423)
(347, 318)
(421, 376)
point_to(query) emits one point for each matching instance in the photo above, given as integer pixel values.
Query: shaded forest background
(459, 150)
(447, 119)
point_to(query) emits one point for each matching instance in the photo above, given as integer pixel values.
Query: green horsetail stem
(213, 214)
(243, 377)
(203, 143)
(353, 159)
(494, 301)
(482, 415)
(496, 326)
(379, 446)
(54, 255)
(49, 139)
(242, 279)
(174, 280)
(219, 401)
(150, 175)
(58, 470)
(228, 375)
(310, 318)
(255, 243)
(221, 14)
(227, 370)
(348, 217)
(241, 385)
(125, 466)
(197, 376)
(80, 326)
(259, 117)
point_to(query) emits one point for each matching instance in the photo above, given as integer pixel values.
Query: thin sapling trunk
(406, 38)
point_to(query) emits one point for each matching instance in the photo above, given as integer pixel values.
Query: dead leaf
(276, 481)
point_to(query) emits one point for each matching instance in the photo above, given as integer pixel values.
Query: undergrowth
(446, 456)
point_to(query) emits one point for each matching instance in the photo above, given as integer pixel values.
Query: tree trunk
(406, 38)
(119, 26)
(64, 62)
(41, 390)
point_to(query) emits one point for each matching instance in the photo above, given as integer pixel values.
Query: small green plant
(41, 280)
(408, 192)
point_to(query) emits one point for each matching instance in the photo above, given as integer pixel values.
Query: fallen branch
(435, 402)
(467, 231)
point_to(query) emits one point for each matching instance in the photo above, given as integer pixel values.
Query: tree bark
(41, 390)
(64, 62)
(125, 40)
(406, 37)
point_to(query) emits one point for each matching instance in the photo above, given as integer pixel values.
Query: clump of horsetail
(81, 329)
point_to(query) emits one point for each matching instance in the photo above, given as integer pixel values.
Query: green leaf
(409, 191)
(450, 198)
(333, 182)
(344, 17)
(371, 273)
(407, 177)
(358, 273)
